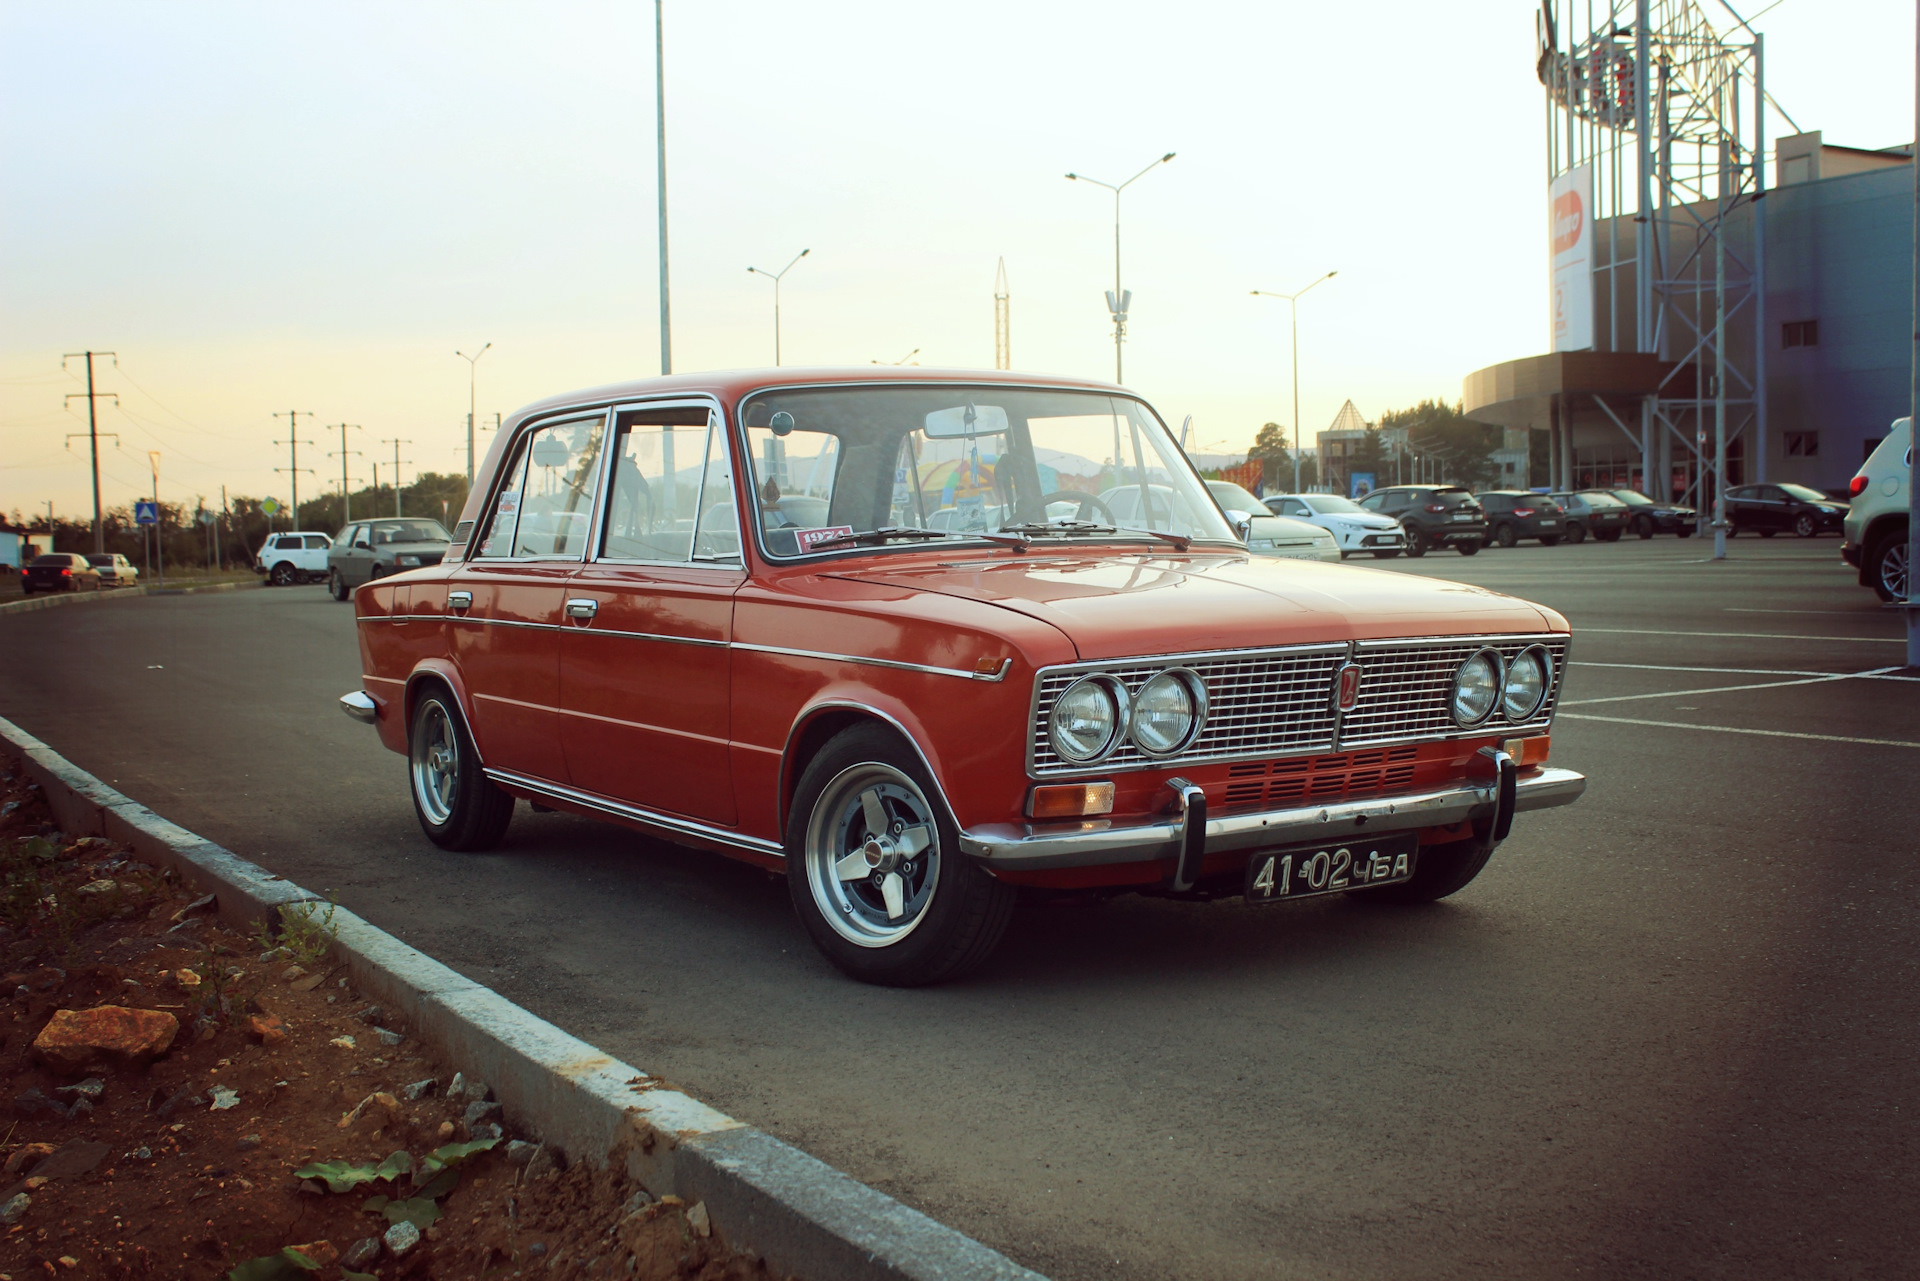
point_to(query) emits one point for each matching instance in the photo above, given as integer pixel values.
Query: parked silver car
(370, 549)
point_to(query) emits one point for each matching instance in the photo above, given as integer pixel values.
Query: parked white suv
(1874, 535)
(287, 559)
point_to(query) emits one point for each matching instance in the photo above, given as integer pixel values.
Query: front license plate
(1308, 870)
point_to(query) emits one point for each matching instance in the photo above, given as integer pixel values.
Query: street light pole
(1118, 300)
(660, 151)
(473, 362)
(1293, 317)
(775, 276)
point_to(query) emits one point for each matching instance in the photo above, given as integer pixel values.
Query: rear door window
(545, 505)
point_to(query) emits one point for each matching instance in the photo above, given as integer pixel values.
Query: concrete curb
(117, 593)
(800, 1214)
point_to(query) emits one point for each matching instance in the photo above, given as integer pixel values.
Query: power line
(396, 443)
(346, 486)
(93, 434)
(293, 467)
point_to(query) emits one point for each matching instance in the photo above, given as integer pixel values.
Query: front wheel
(1576, 533)
(459, 808)
(1888, 565)
(1387, 555)
(1686, 531)
(336, 585)
(1505, 535)
(1804, 527)
(1468, 548)
(1416, 542)
(1644, 527)
(282, 575)
(875, 871)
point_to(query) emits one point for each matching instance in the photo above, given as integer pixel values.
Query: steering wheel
(1087, 503)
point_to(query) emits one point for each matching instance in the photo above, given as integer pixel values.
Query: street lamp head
(803, 254)
(1167, 157)
(1073, 177)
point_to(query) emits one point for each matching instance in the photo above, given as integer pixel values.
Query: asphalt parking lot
(1671, 1031)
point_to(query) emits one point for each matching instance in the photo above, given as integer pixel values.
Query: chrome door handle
(582, 608)
(459, 600)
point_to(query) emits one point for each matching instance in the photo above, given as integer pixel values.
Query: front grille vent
(1333, 777)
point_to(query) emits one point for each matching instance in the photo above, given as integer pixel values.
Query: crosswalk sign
(146, 512)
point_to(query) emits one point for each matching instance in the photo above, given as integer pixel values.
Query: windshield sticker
(812, 538)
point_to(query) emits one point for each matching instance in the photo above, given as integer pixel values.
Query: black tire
(1549, 540)
(459, 808)
(1576, 532)
(1643, 526)
(1470, 547)
(1505, 534)
(283, 575)
(954, 910)
(1416, 542)
(1733, 530)
(25, 590)
(1608, 535)
(1805, 526)
(336, 585)
(1439, 870)
(1686, 531)
(1886, 566)
(1768, 533)
(1386, 555)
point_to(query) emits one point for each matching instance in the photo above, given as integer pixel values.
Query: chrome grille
(1279, 702)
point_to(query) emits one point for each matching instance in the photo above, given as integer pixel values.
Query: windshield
(1331, 504)
(1806, 495)
(1235, 498)
(1632, 497)
(833, 462)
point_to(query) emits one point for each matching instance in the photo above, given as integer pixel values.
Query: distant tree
(1463, 448)
(1270, 450)
(1369, 454)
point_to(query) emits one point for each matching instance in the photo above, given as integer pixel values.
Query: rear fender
(432, 671)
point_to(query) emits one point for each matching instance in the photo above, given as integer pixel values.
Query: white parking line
(1658, 631)
(1734, 729)
(1718, 689)
(1837, 613)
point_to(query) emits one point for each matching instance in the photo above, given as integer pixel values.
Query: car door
(1741, 509)
(644, 660)
(504, 604)
(1776, 510)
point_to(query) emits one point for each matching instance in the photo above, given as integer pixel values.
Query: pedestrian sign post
(146, 512)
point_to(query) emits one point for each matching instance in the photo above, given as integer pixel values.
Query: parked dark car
(1646, 517)
(1514, 514)
(1589, 512)
(60, 572)
(1772, 509)
(1433, 516)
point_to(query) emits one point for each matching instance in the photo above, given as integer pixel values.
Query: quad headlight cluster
(1517, 688)
(1097, 713)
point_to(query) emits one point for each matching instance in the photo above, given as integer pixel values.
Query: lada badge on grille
(1346, 687)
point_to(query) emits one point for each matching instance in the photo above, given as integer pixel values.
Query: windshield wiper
(1065, 528)
(882, 535)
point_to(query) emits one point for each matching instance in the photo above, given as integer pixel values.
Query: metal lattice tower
(1671, 116)
(1002, 339)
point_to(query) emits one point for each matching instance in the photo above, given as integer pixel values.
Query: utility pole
(93, 434)
(1002, 320)
(346, 486)
(219, 549)
(396, 443)
(473, 362)
(660, 151)
(293, 467)
(159, 544)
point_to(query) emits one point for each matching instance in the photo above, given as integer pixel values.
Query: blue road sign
(145, 512)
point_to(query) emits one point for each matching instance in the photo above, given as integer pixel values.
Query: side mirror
(1242, 524)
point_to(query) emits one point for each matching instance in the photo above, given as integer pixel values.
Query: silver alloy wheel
(872, 854)
(435, 761)
(1893, 567)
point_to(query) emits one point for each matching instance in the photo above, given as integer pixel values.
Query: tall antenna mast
(1002, 340)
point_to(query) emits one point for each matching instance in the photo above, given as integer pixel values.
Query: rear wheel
(875, 871)
(1469, 547)
(1438, 871)
(1887, 566)
(1643, 526)
(283, 574)
(458, 807)
(1416, 542)
(1387, 555)
(336, 585)
(1805, 526)
(1504, 534)
(1576, 533)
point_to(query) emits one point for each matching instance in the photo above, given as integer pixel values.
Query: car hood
(1284, 531)
(1119, 606)
(1365, 520)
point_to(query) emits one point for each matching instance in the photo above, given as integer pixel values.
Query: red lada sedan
(882, 632)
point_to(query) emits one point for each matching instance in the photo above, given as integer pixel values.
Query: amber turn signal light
(1070, 800)
(1527, 752)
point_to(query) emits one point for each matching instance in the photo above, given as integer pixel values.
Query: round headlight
(1528, 676)
(1476, 688)
(1086, 718)
(1167, 712)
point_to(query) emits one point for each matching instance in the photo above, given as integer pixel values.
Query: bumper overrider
(1189, 834)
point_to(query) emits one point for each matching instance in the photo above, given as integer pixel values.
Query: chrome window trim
(1335, 741)
(716, 422)
(521, 432)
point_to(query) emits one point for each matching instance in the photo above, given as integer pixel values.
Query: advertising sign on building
(1570, 229)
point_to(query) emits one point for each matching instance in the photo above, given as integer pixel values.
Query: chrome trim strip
(807, 713)
(1099, 843)
(360, 706)
(647, 636)
(634, 813)
(1006, 664)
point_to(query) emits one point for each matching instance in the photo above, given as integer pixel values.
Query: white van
(1874, 536)
(287, 559)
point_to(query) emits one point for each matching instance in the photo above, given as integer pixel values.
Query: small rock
(487, 1130)
(141, 1154)
(478, 1112)
(186, 980)
(545, 1161)
(273, 954)
(459, 1086)
(101, 886)
(388, 1038)
(322, 1253)
(71, 1160)
(402, 1237)
(246, 1143)
(372, 1014)
(313, 1187)
(74, 1038)
(537, 1249)
(697, 1220)
(268, 1028)
(310, 982)
(32, 1102)
(639, 1201)
(91, 1088)
(27, 1153)
(361, 1253)
(445, 1131)
(419, 1090)
(293, 972)
(223, 1098)
(520, 1151)
(344, 1042)
(80, 1108)
(188, 926)
(185, 1096)
(198, 905)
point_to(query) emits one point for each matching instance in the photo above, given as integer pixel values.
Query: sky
(273, 208)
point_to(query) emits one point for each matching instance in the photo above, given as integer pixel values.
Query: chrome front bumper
(1098, 843)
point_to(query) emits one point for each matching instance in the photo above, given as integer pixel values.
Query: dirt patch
(287, 1128)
